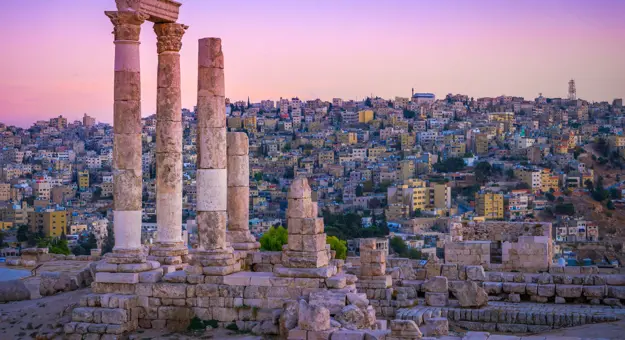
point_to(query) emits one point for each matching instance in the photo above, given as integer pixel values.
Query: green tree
(398, 245)
(109, 243)
(483, 171)
(565, 209)
(510, 173)
(22, 233)
(339, 246)
(274, 239)
(258, 176)
(359, 191)
(615, 193)
(610, 205)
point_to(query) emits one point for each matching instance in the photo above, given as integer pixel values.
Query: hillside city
(407, 167)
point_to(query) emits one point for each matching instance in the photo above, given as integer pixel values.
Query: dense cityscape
(413, 217)
(409, 166)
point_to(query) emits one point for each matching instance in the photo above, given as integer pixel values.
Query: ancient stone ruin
(300, 293)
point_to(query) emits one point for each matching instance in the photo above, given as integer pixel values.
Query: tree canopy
(339, 246)
(274, 239)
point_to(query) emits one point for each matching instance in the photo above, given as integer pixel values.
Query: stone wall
(522, 246)
(468, 253)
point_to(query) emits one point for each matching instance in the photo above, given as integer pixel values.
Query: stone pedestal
(238, 233)
(212, 255)
(372, 266)
(127, 183)
(169, 248)
(306, 254)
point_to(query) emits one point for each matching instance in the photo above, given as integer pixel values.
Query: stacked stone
(436, 291)
(127, 181)
(169, 248)
(306, 254)
(213, 255)
(404, 330)
(372, 268)
(103, 316)
(238, 233)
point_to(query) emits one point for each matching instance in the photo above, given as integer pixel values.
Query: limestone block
(352, 317)
(343, 334)
(117, 277)
(615, 280)
(238, 208)
(127, 87)
(211, 113)
(514, 287)
(174, 313)
(333, 301)
(469, 294)
(493, 288)
(169, 136)
(450, 271)
(168, 74)
(358, 299)
(127, 190)
(321, 272)
(569, 291)
(616, 292)
(547, 290)
(134, 267)
(210, 54)
(437, 284)
(299, 189)
(372, 269)
(531, 288)
(115, 316)
(594, 291)
(211, 82)
(313, 318)
(211, 147)
(238, 144)
(313, 243)
(128, 112)
(169, 290)
(436, 299)
(211, 229)
(300, 208)
(405, 329)
(297, 259)
(212, 190)
(238, 171)
(475, 273)
(127, 152)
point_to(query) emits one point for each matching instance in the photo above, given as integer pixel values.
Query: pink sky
(57, 57)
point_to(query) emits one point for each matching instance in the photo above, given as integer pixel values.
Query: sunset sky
(57, 55)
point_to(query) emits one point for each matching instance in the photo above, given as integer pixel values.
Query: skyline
(60, 58)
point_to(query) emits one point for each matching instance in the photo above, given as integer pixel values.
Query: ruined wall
(468, 253)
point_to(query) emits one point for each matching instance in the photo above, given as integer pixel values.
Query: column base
(246, 246)
(126, 256)
(214, 262)
(169, 253)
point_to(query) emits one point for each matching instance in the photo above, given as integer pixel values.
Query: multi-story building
(52, 222)
(41, 189)
(83, 180)
(489, 205)
(5, 191)
(365, 116)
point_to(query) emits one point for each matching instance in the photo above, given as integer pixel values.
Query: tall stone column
(213, 253)
(239, 193)
(169, 248)
(127, 183)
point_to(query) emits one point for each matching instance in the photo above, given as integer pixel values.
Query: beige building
(5, 191)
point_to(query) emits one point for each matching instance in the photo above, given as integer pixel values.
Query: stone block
(594, 291)
(450, 271)
(547, 290)
(238, 171)
(169, 290)
(116, 277)
(313, 318)
(115, 316)
(436, 299)
(437, 284)
(314, 243)
(514, 287)
(212, 190)
(475, 273)
(615, 280)
(493, 288)
(151, 276)
(174, 313)
(333, 301)
(300, 208)
(616, 292)
(569, 291)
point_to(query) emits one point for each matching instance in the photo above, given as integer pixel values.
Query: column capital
(169, 36)
(127, 24)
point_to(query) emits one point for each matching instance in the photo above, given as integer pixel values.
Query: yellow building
(365, 116)
(249, 123)
(406, 169)
(83, 180)
(375, 153)
(407, 141)
(347, 137)
(481, 143)
(52, 223)
(548, 180)
(532, 177)
(5, 191)
(77, 229)
(489, 205)
(441, 195)
(326, 157)
(456, 149)
(6, 225)
(235, 122)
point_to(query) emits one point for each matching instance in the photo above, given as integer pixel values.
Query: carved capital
(127, 24)
(169, 36)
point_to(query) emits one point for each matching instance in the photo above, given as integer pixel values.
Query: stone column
(213, 253)
(127, 183)
(239, 193)
(169, 248)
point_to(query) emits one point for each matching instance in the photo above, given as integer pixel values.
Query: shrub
(274, 239)
(339, 246)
